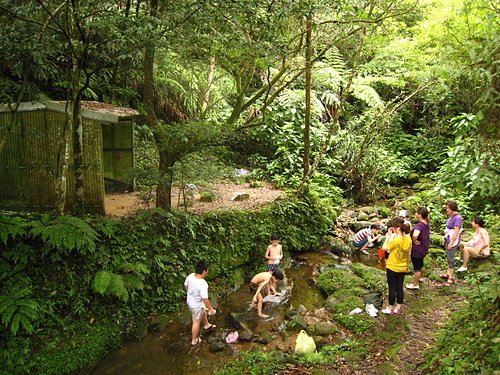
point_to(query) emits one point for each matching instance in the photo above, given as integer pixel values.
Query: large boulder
(234, 319)
(336, 246)
(356, 226)
(207, 196)
(240, 196)
(363, 216)
(323, 328)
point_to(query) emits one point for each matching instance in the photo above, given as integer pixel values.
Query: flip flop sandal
(210, 327)
(198, 340)
(450, 282)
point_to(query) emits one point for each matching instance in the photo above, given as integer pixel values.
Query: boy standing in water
(274, 253)
(197, 300)
(258, 282)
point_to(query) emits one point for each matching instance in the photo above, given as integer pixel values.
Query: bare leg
(204, 320)
(195, 331)
(469, 251)
(451, 273)
(465, 256)
(416, 277)
(259, 307)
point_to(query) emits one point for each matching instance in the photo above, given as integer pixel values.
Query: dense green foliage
(57, 273)
(469, 342)
(403, 93)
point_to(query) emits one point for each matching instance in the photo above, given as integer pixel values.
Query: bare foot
(264, 316)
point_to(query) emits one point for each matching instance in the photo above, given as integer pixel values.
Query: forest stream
(169, 352)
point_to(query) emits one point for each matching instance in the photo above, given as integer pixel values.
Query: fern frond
(66, 233)
(330, 98)
(367, 94)
(117, 287)
(136, 268)
(133, 282)
(14, 325)
(11, 227)
(335, 59)
(17, 309)
(102, 281)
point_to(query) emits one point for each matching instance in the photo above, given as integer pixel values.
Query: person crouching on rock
(258, 282)
(366, 237)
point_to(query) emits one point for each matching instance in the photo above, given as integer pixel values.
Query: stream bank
(346, 344)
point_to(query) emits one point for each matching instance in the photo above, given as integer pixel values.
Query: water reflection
(169, 352)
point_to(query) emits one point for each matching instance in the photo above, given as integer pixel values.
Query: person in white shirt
(197, 300)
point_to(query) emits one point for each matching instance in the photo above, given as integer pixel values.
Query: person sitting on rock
(258, 282)
(479, 246)
(366, 237)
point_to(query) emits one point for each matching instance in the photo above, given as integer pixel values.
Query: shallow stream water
(169, 352)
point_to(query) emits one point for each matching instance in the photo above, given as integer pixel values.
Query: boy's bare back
(261, 277)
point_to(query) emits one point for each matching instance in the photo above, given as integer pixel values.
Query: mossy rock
(368, 209)
(298, 322)
(336, 246)
(373, 278)
(207, 196)
(412, 177)
(334, 280)
(482, 265)
(383, 211)
(323, 328)
(357, 324)
(347, 302)
(363, 216)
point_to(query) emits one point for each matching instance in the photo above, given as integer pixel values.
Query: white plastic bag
(304, 343)
(371, 310)
(356, 311)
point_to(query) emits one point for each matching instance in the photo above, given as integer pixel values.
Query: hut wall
(28, 162)
(118, 150)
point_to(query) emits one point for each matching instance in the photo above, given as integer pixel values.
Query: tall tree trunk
(76, 112)
(164, 188)
(63, 157)
(307, 122)
(210, 79)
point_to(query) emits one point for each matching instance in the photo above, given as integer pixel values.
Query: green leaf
(102, 281)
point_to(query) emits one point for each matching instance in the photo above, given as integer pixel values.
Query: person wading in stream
(258, 282)
(274, 254)
(197, 300)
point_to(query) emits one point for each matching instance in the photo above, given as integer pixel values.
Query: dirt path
(128, 203)
(400, 342)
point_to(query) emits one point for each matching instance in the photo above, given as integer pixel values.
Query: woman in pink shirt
(479, 246)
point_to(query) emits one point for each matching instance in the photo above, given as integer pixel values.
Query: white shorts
(197, 312)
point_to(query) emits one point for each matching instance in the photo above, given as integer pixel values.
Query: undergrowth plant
(469, 342)
(80, 270)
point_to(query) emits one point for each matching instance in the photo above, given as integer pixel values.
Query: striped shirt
(362, 234)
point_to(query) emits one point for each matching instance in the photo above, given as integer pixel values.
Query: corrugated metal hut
(30, 145)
